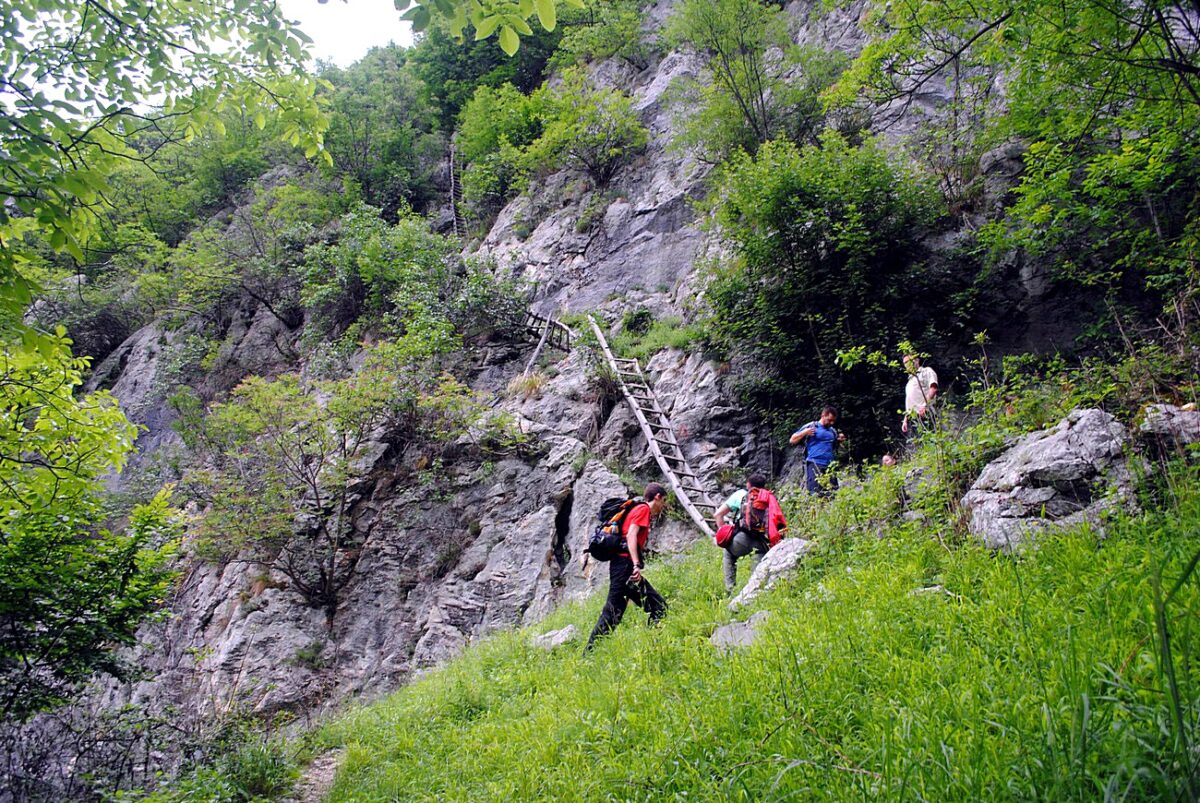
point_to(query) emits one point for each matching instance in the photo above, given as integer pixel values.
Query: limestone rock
(555, 638)
(779, 562)
(738, 634)
(1169, 428)
(1054, 479)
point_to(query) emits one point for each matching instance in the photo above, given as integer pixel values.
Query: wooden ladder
(460, 225)
(550, 331)
(660, 436)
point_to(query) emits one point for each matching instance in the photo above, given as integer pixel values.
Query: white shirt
(916, 392)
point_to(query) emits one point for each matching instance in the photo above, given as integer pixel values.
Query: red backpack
(756, 507)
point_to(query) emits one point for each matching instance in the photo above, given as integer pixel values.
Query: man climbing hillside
(625, 580)
(919, 393)
(822, 439)
(758, 524)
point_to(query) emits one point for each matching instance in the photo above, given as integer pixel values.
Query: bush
(826, 256)
(374, 268)
(759, 86)
(587, 129)
(606, 30)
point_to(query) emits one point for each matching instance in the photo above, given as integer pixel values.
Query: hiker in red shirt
(625, 581)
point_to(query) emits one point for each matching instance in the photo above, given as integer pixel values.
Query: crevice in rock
(562, 531)
(605, 404)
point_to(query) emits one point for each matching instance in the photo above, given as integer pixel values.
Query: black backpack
(607, 542)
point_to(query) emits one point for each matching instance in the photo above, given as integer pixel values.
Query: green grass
(1041, 676)
(662, 334)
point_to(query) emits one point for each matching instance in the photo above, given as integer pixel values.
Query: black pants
(620, 591)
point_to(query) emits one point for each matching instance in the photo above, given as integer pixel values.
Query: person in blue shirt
(822, 438)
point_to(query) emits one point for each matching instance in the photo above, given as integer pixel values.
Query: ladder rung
(657, 425)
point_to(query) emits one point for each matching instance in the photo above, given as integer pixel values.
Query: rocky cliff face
(451, 555)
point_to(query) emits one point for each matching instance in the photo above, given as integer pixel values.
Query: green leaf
(519, 25)
(546, 13)
(509, 41)
(487, 26)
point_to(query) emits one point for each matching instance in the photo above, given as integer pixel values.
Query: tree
(825, 257)
(604, 30)
(452, 70)
(760, 87)
(1107, 97)
(382, 130)
(77, 79)
(81, 84)
(587, 129)
(287, 467)
(70, 591)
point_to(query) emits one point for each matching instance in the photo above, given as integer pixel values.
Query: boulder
(738, 634)
(555, 638)
(1054, 479)
(779, 562)
(1167, 428)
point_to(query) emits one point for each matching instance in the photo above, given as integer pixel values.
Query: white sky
(343, 31)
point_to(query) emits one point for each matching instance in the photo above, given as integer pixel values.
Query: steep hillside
(360, 460)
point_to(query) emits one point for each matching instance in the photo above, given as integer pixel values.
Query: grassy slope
(1032, 677)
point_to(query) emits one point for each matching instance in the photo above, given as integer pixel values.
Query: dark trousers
(812, 475)
(621, 590)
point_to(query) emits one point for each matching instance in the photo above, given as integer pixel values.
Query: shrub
(826, 256)
(374, 268)
(587, 129)
(605, 30)
(760, 87)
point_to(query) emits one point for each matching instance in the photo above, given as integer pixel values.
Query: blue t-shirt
(820, 443)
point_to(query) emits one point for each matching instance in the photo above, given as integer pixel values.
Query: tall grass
(890, 667)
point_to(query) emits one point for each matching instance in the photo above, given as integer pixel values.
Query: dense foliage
(75, 125)
(759, 85)
(70, 590)
(1106, 97)
(827, 258)
(508, 137)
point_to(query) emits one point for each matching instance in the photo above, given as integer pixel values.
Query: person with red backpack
(625, 580)
(757, 523)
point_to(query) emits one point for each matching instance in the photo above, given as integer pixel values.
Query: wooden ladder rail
(460, 226)
(660, 436)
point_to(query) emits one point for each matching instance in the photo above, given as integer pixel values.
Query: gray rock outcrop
(778, 563)
(734, 635)
(1058, 478)
(1168, 428)
(555, 638)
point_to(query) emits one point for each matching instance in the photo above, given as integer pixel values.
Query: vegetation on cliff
(150, 178)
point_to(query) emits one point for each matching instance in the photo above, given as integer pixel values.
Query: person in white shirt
(919, 393)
